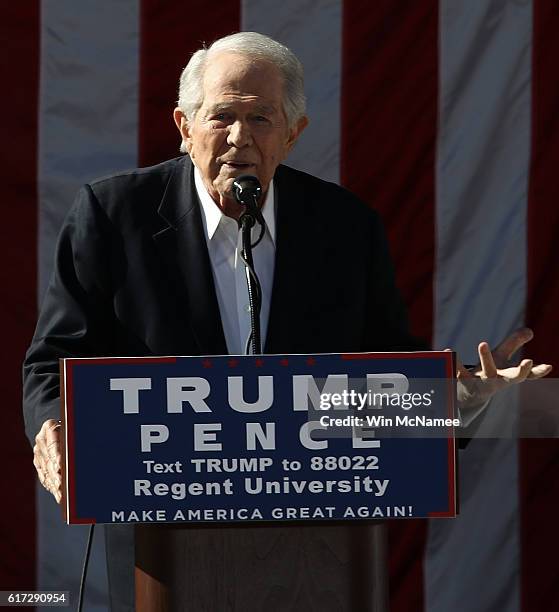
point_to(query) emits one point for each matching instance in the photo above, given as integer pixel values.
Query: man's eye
(221, 118)
(260, 121)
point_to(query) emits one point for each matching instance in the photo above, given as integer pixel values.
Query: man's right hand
(47, 458)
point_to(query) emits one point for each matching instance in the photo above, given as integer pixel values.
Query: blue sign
(259, 438)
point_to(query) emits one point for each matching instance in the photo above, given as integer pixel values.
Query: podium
(268, 567)
(260, 483)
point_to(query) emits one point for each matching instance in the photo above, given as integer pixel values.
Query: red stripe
(389, 121)
(539, 459)
(170, 32)
(389, 125)
(71, 363)
(69, 426)
(69, 429)
(452, 478)
(445, 356)
(19, 31)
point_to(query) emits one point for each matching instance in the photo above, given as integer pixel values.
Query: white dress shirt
(224, 247)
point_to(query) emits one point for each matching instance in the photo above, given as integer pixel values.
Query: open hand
(496, 370)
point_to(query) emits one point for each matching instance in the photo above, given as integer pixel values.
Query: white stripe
(315, 37)
(88, 106)
(472, 563)
(87, 127)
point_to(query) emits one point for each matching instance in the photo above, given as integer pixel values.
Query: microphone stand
(247, 221)
(247, 190)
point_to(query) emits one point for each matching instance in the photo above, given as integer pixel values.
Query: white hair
(253, 45)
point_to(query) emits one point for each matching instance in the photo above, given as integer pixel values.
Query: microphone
(247, 191)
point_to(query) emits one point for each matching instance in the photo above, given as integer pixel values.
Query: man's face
(240, 128)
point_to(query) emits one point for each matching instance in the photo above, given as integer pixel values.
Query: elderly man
(146, 263)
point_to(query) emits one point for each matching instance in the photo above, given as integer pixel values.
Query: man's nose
(239, 134)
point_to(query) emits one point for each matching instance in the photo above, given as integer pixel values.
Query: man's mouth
(238, 165)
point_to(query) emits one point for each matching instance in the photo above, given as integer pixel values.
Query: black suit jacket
(132, 277)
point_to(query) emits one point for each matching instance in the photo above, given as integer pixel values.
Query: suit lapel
(183, 247)
(297, 267)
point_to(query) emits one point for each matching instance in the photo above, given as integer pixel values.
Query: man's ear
(295, 132)
(182, 126)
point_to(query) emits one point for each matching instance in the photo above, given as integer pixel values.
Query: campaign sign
(258, 438)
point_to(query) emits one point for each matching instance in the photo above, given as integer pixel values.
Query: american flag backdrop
(441, 114)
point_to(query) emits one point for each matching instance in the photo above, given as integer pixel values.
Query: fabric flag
(441, 114)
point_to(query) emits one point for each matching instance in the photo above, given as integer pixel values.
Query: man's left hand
(496, 370)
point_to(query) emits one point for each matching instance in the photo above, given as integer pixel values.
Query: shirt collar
(212, 214)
